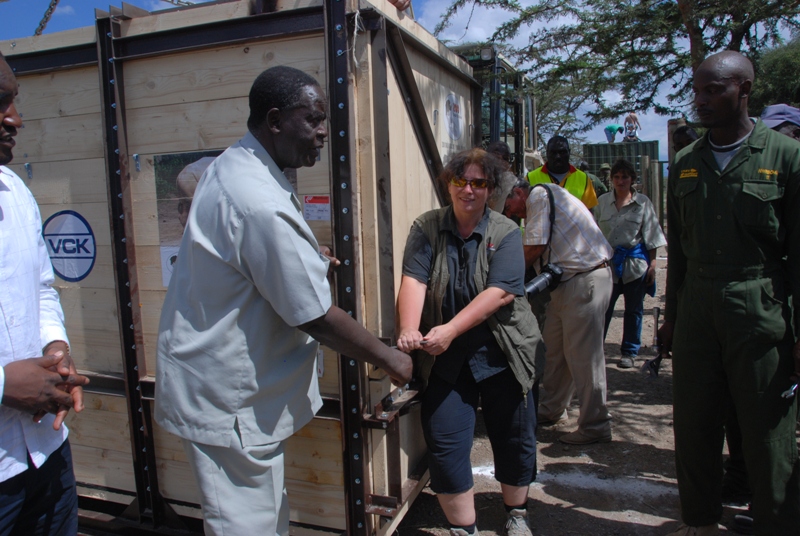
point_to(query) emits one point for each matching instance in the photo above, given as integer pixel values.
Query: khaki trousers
(574, 357)
(241, 488)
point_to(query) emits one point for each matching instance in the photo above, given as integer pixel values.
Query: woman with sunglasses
(461, 310)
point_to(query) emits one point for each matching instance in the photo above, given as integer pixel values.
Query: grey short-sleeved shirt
(636, 223)
(506, 271)
(248, 272)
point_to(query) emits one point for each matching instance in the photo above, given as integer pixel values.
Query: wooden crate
(180, 85)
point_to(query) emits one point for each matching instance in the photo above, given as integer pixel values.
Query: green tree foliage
(643, 51)
(777, 78)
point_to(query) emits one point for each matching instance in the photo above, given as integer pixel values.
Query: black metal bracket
(226, 32)
(149, 507)
(342, 184)
(51, 60)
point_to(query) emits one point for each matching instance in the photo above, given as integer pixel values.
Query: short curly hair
(493, 168)
(625, 167)
(278, 87)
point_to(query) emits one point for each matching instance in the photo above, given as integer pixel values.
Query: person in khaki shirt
(732, 217)
(246, 305)
(629, 223)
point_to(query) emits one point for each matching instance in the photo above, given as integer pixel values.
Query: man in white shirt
(573, 333)
(37, 484)
(247, 303)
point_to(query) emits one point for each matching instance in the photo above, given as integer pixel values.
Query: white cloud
(64, 10)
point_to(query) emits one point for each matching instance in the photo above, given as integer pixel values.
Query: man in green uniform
(599, 187)
(732, 216)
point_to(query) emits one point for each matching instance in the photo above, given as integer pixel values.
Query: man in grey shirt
(247, 303)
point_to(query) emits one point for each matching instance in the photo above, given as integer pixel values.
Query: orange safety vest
(575, 182)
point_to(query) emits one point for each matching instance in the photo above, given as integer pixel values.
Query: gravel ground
(626, 487)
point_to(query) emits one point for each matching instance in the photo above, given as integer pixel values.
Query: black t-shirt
(506, 271)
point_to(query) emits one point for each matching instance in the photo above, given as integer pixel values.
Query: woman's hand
(438, 340)
(409, 340)
(650, 277)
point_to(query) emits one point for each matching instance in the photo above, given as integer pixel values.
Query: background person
(461, 299)
(246, 305)
(559, 171)
(683, 136)
(37, 483)
(611, 131)
(784, 119)
(506, 180)
(597, 184)
(632, 125)
(629, 223)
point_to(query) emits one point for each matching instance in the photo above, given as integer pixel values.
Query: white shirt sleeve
(51, 315)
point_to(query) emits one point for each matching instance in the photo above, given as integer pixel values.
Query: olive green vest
(514, 327)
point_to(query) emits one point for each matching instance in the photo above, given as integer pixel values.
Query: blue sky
(21, 17)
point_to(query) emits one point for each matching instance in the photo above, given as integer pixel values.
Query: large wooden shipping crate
(118, 119)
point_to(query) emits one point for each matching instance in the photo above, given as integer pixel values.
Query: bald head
(729, 64)
(721, 88)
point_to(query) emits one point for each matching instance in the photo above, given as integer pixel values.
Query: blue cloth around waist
(637, 252)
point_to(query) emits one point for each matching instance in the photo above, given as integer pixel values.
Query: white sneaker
(517, 523)
(462, 532)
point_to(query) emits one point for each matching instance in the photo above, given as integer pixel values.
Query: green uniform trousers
(732, 343)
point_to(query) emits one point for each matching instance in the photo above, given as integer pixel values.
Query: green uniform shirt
(599, 187)
(738, 223)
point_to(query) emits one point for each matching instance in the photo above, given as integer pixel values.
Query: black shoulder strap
(552, 217)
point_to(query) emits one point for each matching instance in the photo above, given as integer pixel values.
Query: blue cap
(777, 114)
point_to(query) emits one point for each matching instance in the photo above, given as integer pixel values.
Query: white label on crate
(169, 256)
(317, 207)
(70, 244)
(453, 117)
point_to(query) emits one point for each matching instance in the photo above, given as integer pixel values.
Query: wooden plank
(59, 94)
(150, 302)
(316, 504)
(215, 74)
(68, 38)
(181, 18)
(100, 441)
(103, 467)
(187, 127)
(55, 139)
(92, 324)
(329, 381)
(66, 182)
(412, 189)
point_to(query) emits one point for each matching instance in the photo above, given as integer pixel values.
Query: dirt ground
(626, 487)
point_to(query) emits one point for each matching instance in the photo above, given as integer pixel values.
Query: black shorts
(448, 422)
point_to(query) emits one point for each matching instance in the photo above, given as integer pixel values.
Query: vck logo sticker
(70, 244)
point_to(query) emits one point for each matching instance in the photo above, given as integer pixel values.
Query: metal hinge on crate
(398, 401)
